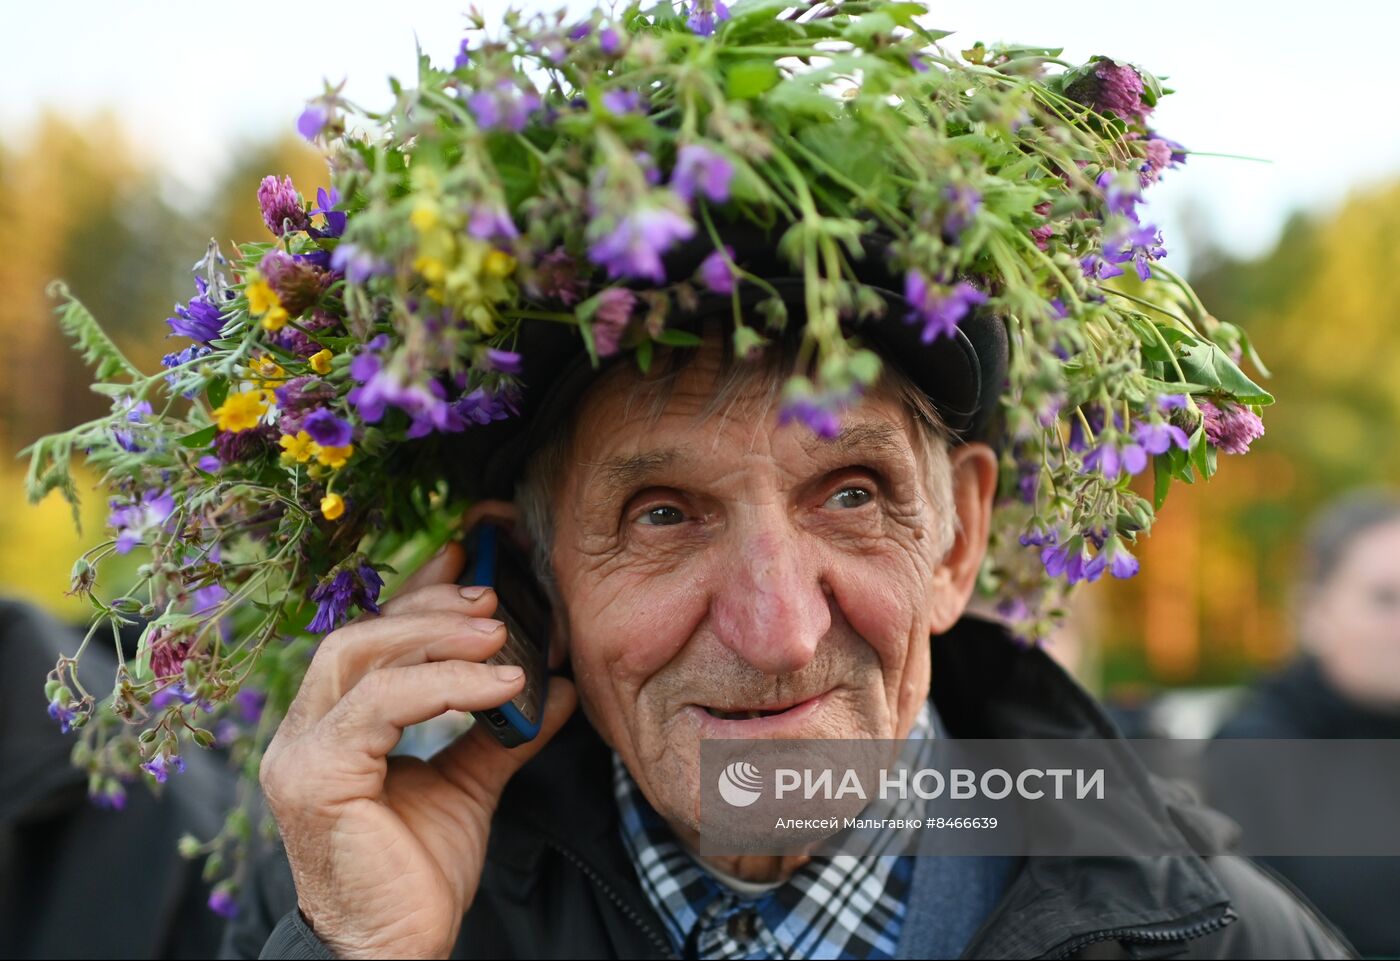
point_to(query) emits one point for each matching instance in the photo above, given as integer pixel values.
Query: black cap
(963, 375)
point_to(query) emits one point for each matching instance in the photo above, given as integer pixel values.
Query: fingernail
(484, 625)
(474, 593)
(508, 672)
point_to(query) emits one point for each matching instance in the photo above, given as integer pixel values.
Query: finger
(371, 717)
(356, 649)
(480, 765)
(466, 601)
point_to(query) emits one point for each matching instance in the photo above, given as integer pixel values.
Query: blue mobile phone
(493, 560)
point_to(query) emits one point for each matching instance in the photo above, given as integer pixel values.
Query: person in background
(1344, 684)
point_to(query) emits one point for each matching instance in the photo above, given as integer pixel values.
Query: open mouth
(742, 715)
(746, 718)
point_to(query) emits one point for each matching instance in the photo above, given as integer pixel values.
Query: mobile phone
(493, 560)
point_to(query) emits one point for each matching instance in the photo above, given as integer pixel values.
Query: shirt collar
(832, 906)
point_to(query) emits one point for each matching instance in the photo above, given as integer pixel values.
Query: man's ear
(497, 510)
(974, 470)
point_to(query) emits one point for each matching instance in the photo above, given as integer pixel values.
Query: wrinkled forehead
(703, 405)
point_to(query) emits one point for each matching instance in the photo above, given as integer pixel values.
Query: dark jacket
(76, 881)
(558, 882)
(1359, 894)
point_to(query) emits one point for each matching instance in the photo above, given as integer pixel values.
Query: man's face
(1353, 622)
(723, 577)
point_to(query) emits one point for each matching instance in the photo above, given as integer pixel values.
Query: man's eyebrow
(619, 475)
(886, 440)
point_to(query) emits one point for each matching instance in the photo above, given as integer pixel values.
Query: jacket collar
(985, 685)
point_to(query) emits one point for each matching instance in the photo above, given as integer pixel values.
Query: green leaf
(1152, 348)
(1209, 365)
(865, 366)
(644, 356)
(1158, 386)
(99, 352)
(678, 338)
(1199, 447)
(1161, 480)
(802, 96)
(865, 28)
(217, 392)
(201, 437)
(904, 14)
(756, 10)
(50, 459)
(848, 147)
(750, 78)
(517, 166)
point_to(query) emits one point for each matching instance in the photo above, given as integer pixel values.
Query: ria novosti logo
(740, 783)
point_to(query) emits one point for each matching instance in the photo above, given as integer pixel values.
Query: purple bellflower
(327, 429)
(715, 272)
(135, 520)
(335, 597)
(161, 766)
(938, 307)
(633, 247)
(704, 14)
(312, 121)
(700, 169)
(198, 320)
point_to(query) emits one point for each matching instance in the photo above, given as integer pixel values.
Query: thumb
(477, 758)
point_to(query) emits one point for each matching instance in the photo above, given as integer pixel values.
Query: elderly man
(707, 562)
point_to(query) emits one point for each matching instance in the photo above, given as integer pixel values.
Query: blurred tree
(78, 204)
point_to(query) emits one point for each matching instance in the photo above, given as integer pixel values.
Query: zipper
(1149, 935)
(658, 940)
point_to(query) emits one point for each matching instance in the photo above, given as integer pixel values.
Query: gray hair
(544, 471)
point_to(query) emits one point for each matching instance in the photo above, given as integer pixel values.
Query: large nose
(769, 605)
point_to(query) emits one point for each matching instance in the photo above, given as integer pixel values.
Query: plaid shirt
(832, 907)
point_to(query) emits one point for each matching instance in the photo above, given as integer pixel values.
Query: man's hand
(387, 852)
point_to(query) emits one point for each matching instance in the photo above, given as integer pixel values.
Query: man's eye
(661, 516)
(849, 497)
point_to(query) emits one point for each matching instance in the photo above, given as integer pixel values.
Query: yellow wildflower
(275, 319)
(432, 269)
(332, 506)
(424, 217)
(263, 302)
(261, 297)
(271, 373)
(240, 412)
(499, 264)
(321, 361)
(334, 457)
(298, 449)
